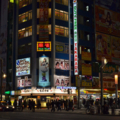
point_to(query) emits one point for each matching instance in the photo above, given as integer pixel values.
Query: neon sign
(44, 46)
(75, 37)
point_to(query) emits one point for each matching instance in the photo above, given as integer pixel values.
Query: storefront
(45, 95)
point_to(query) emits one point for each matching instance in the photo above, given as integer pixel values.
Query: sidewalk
(80, 111)
(76, 111)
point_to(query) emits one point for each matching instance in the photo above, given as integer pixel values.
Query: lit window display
(23, 3)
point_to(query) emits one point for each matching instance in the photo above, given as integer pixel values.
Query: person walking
(53, 106)
(58, 105)
(48, 104)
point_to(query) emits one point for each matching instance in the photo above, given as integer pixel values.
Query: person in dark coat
(48, 104)
(53, 106)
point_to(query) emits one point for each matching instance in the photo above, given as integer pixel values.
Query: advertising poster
(23, 67)
(113, 5)
(61, 64)
(3, 37)
(62, 31)
(24, 81)
(61, 81)
(61, 15)
(86, 81)
(115, 47)
(57, 15)
(107, 21)
(103, 46)
(59, 48)
(96, 81)
(44, 72)
(86, 56)
(44, 20)
(86, 69)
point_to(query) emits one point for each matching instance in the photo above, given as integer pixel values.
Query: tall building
(55, 46)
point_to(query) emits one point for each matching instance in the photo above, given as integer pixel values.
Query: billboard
(107, 21)
(24, 81)
(23, 67)
(62, 64)
(86, 56)
(43, 46)
(61, 81)
(115, 47)
(86, 81)
(113, 5)
(75, 32)
(103, 46)
(44, 72)
(86, 69)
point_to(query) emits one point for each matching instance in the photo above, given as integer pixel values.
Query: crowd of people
(109, 103)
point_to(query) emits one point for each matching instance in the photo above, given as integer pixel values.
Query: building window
(25, 32)
(49, 29)
(64, 2)
(87, 8)
(23, 3)
(49, 13)
(62, 31)
(25, 17)
(62, 15)
(85, 49)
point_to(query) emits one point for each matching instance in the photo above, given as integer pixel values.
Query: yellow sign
(77, 80)
(59, 48)
(86, 83)
(86, 56)
(86, 69)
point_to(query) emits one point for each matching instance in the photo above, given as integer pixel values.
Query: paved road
(52, 116)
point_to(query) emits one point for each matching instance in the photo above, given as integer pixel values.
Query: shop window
(87, 36)
(85, 49)
(80, 19)
(25, 17)
(25, 32)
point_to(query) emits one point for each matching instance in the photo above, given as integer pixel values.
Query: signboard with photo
(61, 64)
(61, 81)
(23, 67)
(24, 81)
(44, 71)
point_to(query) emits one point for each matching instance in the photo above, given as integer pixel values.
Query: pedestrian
(58, 105)
(53, 106)
(48, 104)
(15, 103)
(113, 108)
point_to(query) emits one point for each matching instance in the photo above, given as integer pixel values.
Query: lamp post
(116, 85)
(104, 62)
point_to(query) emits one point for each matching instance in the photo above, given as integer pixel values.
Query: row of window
(24, 49)
(23, 3)
(25, 17)
(25, 32)
(59, 30)
(62, 15)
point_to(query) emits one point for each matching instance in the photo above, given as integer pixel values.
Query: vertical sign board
(75, 37)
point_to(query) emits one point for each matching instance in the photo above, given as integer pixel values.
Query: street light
(104, 62)
(116, 85)
(4, 76)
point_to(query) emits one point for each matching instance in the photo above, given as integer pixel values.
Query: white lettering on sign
(75, 37)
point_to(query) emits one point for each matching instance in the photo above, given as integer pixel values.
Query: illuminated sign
(75, 37)
(23, 67)
(44, 46)
(63, 87)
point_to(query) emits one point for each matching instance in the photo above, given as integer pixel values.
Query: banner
(115, 47)
(62, 64)
(3, 37)
(59, 48)
(103, 46)
(44, 20)
(86, 69)
(44, 72)
(86, 56)
(86, 81)
(107, 21)
(61, 81)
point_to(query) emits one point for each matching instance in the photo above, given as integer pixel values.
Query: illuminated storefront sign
(75, 37)
(63, 87)
(43, 46)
